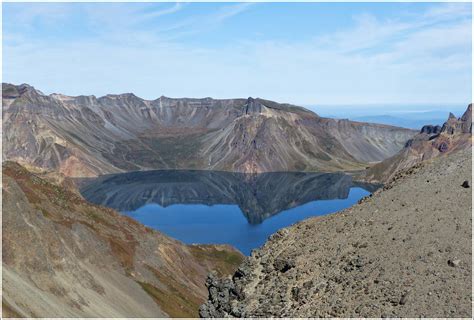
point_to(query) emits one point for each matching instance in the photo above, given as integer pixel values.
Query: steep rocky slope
(87, 136)
(64, 257)
(404, 252)
(430, 142)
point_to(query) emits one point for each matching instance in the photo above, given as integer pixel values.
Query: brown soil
(64, 257)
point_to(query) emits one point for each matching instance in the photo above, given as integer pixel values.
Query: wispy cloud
(416, 57)
(448, 11)
(138, 22)
(230, 11)
(29, 15)
(202, 23)
(161, 12)
(370, 32)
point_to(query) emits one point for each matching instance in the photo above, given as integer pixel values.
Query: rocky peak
(253, 106)
(459, 125)
(11, 91)
(466, 120)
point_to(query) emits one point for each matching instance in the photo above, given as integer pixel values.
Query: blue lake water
(224, 208)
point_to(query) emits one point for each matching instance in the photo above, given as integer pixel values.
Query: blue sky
(303, 53)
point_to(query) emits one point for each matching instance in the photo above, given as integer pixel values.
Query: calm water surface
(221, 207)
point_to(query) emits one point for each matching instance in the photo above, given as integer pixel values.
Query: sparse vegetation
(176, 300)
(224, 262)
(8, 311)
(115, 238)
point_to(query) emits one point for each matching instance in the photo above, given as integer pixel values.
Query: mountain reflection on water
(207, 206)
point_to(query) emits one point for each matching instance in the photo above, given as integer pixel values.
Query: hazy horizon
(300, 53)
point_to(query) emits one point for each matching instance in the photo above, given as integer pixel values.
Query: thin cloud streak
(158, 13)
(229, 12)
(422, 59)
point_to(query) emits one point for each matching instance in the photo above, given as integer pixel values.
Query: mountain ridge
(24, 87)
(89, 136)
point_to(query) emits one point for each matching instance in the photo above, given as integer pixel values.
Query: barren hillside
(404, 252)
(63, 257)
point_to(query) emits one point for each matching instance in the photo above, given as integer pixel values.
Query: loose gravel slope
(404, 252)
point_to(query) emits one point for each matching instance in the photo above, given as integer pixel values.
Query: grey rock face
(461, 125)
(466, 120)
(221, 291)
(430, 129)
(88, 136)
(253, 106)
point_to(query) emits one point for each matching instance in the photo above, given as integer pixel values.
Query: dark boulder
(284, 264)
(443, 147)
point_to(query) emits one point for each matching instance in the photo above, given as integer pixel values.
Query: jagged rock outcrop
(64, 257)
(403, 252)
(430, 129)
(430, 142)
(459, 126)
(253, 106)
(87, 136)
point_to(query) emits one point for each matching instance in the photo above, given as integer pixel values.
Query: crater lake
(217, 207)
